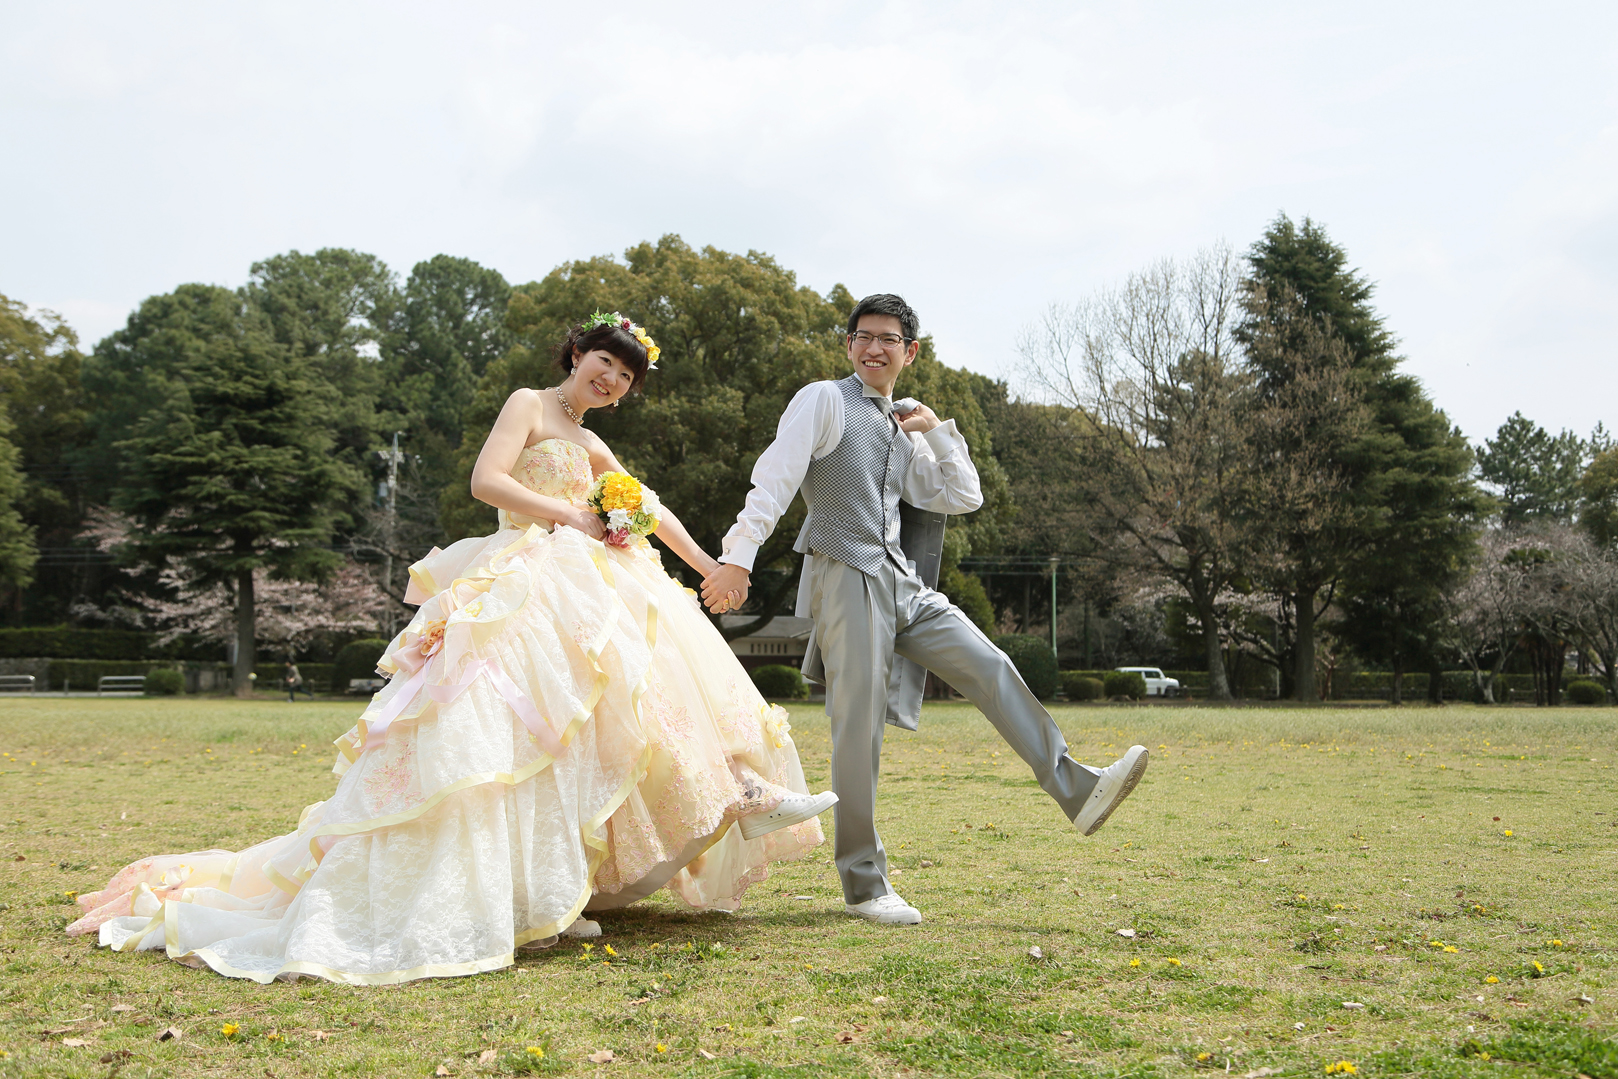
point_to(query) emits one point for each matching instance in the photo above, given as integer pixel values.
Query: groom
(854, 454)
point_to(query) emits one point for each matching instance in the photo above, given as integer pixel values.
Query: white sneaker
(794, 809)
(887, 909)
(1117, 780)
(583, 929)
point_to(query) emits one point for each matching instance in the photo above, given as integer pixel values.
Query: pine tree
(225, 441)
(1411, 511)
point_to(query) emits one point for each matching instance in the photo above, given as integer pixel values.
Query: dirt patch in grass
(1274, 866)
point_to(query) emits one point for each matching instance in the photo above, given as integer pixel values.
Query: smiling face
(600, 378)
(878, 365)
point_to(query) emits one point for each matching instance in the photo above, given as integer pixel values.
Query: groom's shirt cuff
(739, 552)
(942, 478)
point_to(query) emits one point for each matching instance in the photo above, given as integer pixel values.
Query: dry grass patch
(1275, 866)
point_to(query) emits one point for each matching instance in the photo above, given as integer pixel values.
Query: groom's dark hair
(886, 303)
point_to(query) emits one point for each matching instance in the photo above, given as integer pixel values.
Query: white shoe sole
(884, 919)
(1112, 799)
(762, 824)
(583, 929)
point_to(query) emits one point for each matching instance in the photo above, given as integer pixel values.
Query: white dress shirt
(941, 477)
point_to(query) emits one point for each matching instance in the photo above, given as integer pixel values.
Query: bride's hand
(585, 520)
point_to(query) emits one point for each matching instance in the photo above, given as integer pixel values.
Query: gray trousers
(861, 622)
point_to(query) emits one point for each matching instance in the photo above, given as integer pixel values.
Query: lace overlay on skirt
(562, 728)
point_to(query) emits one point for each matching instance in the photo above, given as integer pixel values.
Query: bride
(563, 730)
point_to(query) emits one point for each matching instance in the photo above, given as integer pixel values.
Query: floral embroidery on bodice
(556, 468)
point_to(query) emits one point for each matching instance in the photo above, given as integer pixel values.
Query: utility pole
(1055, 561)
(390, 522)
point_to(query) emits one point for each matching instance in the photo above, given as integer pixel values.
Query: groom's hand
(918, 420)
(725, 589)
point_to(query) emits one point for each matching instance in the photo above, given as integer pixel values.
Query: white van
(1157, 685)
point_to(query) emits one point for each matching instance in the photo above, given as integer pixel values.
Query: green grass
(1274, 864)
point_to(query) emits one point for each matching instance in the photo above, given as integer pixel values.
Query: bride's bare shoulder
(525, 397)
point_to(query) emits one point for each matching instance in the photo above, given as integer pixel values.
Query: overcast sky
(982, 159)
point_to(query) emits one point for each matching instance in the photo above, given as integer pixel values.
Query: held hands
(918, 420)
(725, 589)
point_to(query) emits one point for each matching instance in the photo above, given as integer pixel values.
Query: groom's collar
(867, 391)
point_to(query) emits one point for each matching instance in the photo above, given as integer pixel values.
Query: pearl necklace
(574, 416)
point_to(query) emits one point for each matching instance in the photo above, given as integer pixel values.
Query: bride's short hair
(608, 338)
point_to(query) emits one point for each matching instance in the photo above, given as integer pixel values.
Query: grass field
(1448, 872)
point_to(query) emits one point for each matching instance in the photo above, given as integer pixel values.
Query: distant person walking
(294, 682)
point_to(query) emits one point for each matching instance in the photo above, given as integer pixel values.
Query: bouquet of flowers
(626, 506)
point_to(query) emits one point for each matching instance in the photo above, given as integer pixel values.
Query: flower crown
(615, 319)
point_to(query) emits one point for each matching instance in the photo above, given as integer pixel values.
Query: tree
(1598, 499)
(42, 425)
(1419, 533)
(229, 467)
(290, 614)
(451, 328)
(331, 311)
(1403, 512)
(1547, 558)
(1535, 473)
(17, 551)
(739, 336)
(1152, 379)
(1481, 614)
(1594, 606)
(1302, 522)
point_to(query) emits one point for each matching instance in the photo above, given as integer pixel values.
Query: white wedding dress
(563, 730)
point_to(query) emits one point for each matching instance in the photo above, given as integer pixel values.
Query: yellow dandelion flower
(1508, 833)
(609, 951)
(1134, 962)
(1554, 943)
(1491, 980)
(1203, 1058)
(1174, 962)
(1342, 1067)
(230, 1030)
(274, 1036)
(661, 1048)
(1537, 968)
(1451, 948)
(536, 1052)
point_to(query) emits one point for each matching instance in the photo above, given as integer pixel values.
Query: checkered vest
(853, 491)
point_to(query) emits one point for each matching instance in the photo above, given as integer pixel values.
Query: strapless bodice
(556, 468)
(553, 467)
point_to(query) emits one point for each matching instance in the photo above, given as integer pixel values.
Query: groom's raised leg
(853, 630)
(942, 639)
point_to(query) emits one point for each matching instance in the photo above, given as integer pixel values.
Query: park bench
(121, 683)
(366, 685)
(18, 682)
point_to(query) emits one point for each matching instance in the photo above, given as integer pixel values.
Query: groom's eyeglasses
(889, 341)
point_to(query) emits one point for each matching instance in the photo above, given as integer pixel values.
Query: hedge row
(63, 642)
(1360, 685)
(83, 674)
